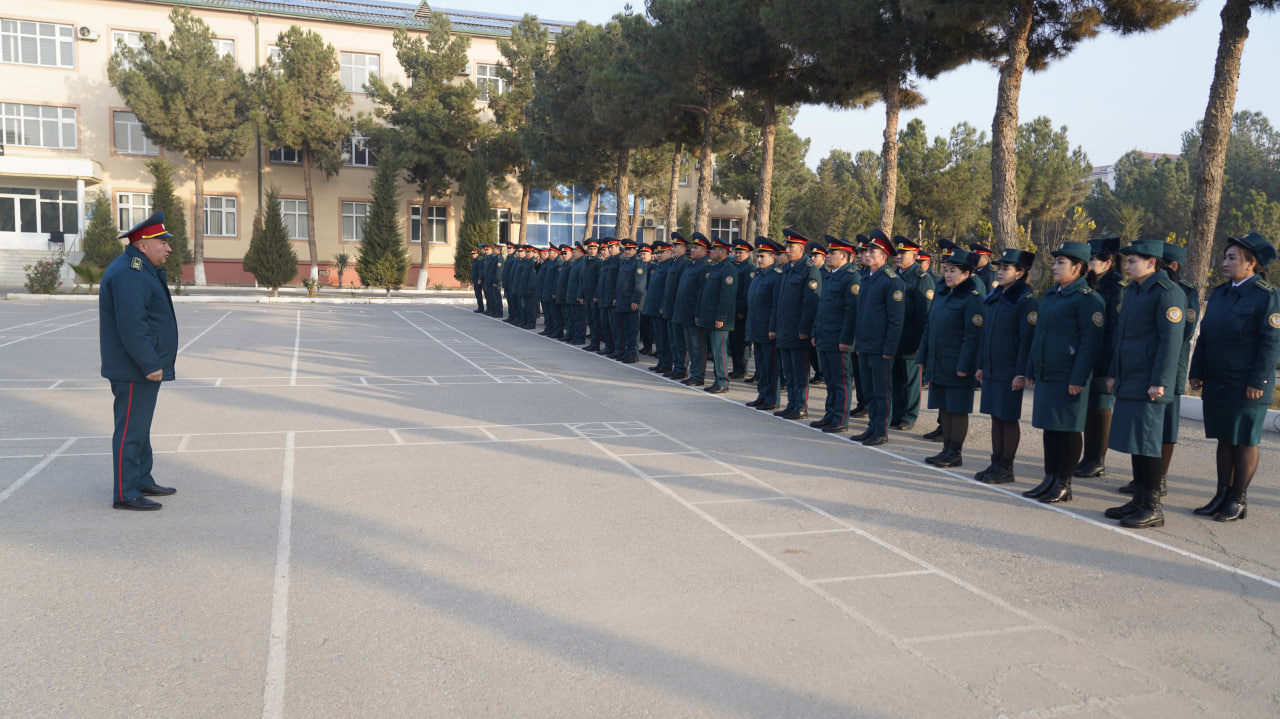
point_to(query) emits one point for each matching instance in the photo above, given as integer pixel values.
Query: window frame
(222, 212)
(735, 228)
(344, 66)
(358, 220)
(486, 81)
(58, 38)
(22, 121)
(300, 218)
(283, 153)
(115, 135)
(133, 210)
(349, 151)
(443, 219)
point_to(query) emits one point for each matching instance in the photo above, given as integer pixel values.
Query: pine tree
(271, 258)
(175, 220)
(101, 241)
(382, 259)
(477, 218)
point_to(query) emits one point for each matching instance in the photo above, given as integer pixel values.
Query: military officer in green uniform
(949, 354)
(833, 331)
(687, 293)
(655, 294)
(881, 309)
(794, 310)
(919, 292)
(986, 271)
(607, 295)
(1064, 351)
(138, 340)
(1234, 366)
(675, 331)
(576, 325)
(745, 267)
(1008, 325)
(586, 295)
(477, 283)
(632, 277)
(717, 311)
(760, 301)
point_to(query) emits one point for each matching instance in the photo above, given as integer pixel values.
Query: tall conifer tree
(382, 259)
(164, 200)
(271, 258)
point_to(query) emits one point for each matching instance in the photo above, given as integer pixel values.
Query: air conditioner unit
(650, 222)
(466, 70)
(84, 32)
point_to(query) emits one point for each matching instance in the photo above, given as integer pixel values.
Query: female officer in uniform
(1105, 278)
(1234, 363)
(1143, 370)
(1063, 352)
(949, 353)
(1007, 329)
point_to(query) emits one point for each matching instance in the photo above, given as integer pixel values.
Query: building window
(726, 228)
(353, 216)
(219, 216)
(131, 40)
(437, 223)
(502, 218)
(37, 43)
(225, 47)
(489, 81)
(355, 151)
(285, 156)
(132, 208)
(128, 136)
(26, 210)
(357, 68)
(295, 218)
(39, 126)
(559, 215)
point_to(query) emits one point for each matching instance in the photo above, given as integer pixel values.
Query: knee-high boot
(1096, 430)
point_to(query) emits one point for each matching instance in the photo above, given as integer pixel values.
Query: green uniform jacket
(1068, 335)
(796, 304)
(1147, 338)
(953, 336)
(656, 289)
(1239, 343)
(1190, 317)
(837, 303)
(918, 296)
(881, 308)
(688, 290)
(718, 298)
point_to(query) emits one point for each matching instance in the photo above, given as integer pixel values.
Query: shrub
(42, 277)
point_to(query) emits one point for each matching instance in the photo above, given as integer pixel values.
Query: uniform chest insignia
(136, 264)
(813, 284)
(639, 270)
(1097, 318)
(1032, 318)
(928, 294)
(856, 289)
(728, 280)
(1191, 315)
(897, 295)
(751, 275)
(707, 276)
(1274, 320)
(977, 320)
(1119, 306)
(1174, 315)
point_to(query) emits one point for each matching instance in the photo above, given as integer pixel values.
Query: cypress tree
(382, 260)
(271, 258)
(175, 220)
(101, 244)
(478, 226)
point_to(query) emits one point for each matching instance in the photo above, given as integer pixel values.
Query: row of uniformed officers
(1106, 351)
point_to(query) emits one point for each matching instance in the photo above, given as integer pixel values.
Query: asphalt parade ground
(418, 511)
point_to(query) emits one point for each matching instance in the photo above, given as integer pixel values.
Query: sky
(1113, 94)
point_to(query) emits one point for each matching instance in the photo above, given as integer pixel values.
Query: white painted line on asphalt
(297, 340)
(884, 575)
(489, 434)
(978, 633)
(55, 384)
(737, 500)
(779, 535)
(652, 454)
(17, 484)
(46, 321)
(42, 334)
(698, 474)
(202, 334)
(273, 693)
(396, 436)
(364, 381)
(433, 338)
(182, 446)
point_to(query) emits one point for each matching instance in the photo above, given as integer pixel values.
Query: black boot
(1215, 504)
(1234, 507)
(934, 436)
(1090, 467)
(1126, 509)
(1149, 514)
(992, 468)
(1130, 488)
(1059, 492)
(941, 456)
(1038, 491)
(1003, 473)
(952, 458)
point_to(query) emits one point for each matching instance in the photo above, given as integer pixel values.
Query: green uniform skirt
(1137, 427)
(956, 400)
(1000, 400)
(1235, 424)
(1056, 410)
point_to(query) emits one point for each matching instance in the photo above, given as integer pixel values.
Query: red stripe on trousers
(888, 395)
(120, 466)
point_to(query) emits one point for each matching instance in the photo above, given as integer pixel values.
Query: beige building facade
(67, 134)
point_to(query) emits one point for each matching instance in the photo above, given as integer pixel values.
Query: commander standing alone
(138, 336)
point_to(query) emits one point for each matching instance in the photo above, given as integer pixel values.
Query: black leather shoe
(934, 436)
(141, 504)
(156, 490)
(1089, 468)
(629, 360)
(864, 436)
(592, 348)
(796, 415)
(717, 389)
(754, 403)
(859, 411)
(767, 407)
(677, 376)
(833, 428)
(818, 381)
(875, 440)
(479, 312)
(902, 426)
(691, 382)
(1038, 491)
(1059, 491)
(781, 412)
(737, 375)
(819, 424)
(750, 380)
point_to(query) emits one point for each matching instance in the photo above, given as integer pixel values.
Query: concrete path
(422, 512)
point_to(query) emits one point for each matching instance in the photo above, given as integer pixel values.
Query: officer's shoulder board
(777, 270)
(1166, 282)
(889, 273)
(1187, 285)
(136, 264)
(1086, 290)
(1265, 286)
